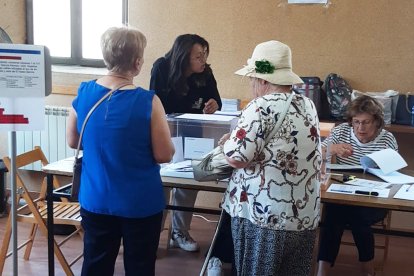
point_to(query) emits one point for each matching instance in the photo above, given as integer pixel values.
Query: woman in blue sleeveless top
(125, 139)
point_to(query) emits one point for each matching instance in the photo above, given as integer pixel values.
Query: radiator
(52, 139)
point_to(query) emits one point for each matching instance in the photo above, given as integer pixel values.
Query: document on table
(179, 149)
(206, 117)
(378, 163)
(196, 148)
(405, 192)
(381, 159)
(180, 166)
(369, 183)
(180, 169)
(393, 177)
(65, 165)
(228, 113)
(350, 189)
(166, 172)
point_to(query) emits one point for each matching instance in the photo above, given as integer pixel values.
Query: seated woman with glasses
(364, 133)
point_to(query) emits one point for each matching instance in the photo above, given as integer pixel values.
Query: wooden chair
(34, 212)
(381, 245)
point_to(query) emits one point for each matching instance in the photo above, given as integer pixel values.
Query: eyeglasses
(356, 123)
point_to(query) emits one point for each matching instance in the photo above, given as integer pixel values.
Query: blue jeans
(102, 239)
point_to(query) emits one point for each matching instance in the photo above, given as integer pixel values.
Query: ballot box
(194, 135)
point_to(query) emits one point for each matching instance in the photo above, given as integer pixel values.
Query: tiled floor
(177, 262)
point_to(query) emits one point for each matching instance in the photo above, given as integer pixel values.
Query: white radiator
(52, 140)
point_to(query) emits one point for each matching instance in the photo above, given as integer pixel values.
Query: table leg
(50, 248)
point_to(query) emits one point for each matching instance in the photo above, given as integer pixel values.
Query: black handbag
(404, 107)
(77, 165)
(214, 167)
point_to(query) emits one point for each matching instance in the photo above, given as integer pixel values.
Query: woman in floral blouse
(273, 194)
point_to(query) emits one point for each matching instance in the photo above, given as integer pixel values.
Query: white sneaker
(184, 241)
(214, 267)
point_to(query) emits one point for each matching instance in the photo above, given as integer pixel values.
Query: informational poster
(22, 87)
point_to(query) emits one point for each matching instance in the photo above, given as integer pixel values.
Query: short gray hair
(121, 47)
(369, 105)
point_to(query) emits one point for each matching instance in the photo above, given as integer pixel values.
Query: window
(71, 29)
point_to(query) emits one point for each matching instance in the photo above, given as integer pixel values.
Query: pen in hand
(366, 193)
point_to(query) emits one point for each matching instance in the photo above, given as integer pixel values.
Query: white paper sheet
(184, 166)
(340, 189)
(382, 159)
(206, 117)
(228, 113)
(196, 148)
(405, 192)
(179, 149)
(394, 177)
(173, 173)
(350, 189)
(371, 184)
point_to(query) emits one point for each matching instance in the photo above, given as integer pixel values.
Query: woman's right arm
(162, 146)
(72, 135)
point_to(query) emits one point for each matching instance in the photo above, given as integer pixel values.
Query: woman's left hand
(210, 107)
(223, 139)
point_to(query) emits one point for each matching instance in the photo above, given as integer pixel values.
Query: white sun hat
(271, 61)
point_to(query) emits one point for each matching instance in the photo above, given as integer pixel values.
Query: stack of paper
(180, 169)
(378, 164)
(350, 189)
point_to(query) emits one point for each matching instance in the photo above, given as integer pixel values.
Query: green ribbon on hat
(264, 67)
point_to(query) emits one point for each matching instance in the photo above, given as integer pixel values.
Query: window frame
(76, 34)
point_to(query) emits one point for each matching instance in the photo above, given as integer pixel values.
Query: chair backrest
(35, 211)
(24, 159)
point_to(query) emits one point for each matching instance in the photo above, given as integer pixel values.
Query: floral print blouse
(279, 189)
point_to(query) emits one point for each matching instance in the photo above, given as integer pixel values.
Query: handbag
(213, 166)
(77, 165)
(404, 107)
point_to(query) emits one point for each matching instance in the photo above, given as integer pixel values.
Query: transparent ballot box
(194, 135)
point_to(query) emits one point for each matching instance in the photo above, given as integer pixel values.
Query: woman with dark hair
(363, 133)
(183, 80)
(185, 84)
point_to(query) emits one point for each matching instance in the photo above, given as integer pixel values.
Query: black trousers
(223, 247)
(102, 239)
(359, 219)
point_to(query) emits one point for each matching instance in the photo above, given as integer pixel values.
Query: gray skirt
(265, 252)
